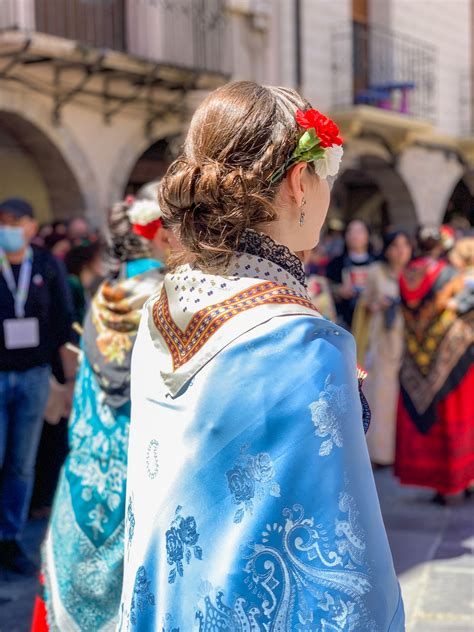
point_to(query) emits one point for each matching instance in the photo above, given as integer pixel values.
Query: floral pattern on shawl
(249, 480)
(110, 329)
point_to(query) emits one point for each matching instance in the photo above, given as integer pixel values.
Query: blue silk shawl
(251, 504)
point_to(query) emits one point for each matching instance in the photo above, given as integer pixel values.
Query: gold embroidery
(184, 345)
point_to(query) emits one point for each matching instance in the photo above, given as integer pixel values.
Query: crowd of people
(196, 265)
(410, 308)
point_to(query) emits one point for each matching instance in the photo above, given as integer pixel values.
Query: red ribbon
(148, 231)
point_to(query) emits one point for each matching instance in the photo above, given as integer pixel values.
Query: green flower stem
(308, 149)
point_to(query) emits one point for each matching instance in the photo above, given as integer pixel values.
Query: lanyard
(20, 292)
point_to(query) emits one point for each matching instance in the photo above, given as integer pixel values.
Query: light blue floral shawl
(251, 500)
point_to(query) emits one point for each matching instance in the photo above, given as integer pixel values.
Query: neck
(86, 277)
(17, 257)
(279, 233)
(357, 251)
(396, 268)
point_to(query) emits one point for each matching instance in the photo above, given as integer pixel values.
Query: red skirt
(442, 459)
(40, 622)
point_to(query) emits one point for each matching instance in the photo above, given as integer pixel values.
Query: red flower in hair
(147, 230)
(326, 130)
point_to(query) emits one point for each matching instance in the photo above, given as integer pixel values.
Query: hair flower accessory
(320, 144)
(145, 218)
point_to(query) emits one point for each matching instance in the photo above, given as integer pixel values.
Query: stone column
(430, 175)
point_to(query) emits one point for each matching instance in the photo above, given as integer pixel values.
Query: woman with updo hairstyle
(435, 430)
(251, 503)
(82, 557)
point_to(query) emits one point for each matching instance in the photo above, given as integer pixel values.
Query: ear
(30, 227)
(295, 184)
(160, 240)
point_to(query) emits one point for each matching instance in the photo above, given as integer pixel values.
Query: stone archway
(431, 175)
(133, 149)
(370, 187)
(151, 165)
(33, 112)
(460, 206)
(49, 181)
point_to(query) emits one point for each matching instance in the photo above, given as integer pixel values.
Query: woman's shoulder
(300, 340)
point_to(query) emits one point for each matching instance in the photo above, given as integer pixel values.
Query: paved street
(432, 546)
(433, 552)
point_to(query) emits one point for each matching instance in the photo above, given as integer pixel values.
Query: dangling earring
(302, 214)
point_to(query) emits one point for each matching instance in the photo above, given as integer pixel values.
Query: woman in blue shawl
(251, 504)
(83, 550)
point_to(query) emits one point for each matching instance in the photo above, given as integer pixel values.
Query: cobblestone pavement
(433, 549)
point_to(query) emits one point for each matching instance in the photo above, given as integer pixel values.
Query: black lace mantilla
(263, 246)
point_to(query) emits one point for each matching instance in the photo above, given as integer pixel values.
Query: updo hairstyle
(220, 185)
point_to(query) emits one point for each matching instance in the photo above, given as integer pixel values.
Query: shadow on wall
(32, 167)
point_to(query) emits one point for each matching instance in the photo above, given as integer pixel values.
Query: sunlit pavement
(433, 552)
(432, 546)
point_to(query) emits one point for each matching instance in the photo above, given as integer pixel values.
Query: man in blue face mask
(35, 321)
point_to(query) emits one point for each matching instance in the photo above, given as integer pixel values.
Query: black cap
(17, 207)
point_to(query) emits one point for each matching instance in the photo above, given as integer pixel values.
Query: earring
(302, 214)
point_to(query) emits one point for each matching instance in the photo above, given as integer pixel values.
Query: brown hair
(220, 185)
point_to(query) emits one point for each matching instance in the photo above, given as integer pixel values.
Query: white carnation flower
(143, 212)
(329, 165)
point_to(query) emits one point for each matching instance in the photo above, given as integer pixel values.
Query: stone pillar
(430, 175)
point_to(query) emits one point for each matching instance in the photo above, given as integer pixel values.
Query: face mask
(12, 238)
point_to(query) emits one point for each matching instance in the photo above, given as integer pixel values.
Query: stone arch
(61, 163)
(430, 174)
(65, 196)
(460, 206)
(384, 199)
(134, 147)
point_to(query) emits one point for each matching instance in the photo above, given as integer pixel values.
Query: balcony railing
(374, 66)
(188, 33)
(97, 23)
(466, 104)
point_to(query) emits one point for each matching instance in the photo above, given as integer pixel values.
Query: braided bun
(220, 185)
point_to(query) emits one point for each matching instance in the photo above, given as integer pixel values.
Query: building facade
(96, 95)
(397, 77)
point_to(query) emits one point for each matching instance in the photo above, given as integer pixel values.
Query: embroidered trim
(184, 345)
(422, 389)
(419, 279)
(254, 243)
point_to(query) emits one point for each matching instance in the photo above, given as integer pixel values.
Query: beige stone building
(95, 95)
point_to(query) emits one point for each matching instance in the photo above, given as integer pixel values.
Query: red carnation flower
(147, 230)
(326, 130)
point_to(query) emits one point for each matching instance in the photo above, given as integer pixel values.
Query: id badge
(21, 333)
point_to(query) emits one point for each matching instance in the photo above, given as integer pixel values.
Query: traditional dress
(382, 360)
(83, 551)
(348, 270)
(320, 294)
(435, 434)
(250, 498)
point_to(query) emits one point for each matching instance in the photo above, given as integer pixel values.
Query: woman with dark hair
(251, 503)
(379, 308)
(348, 272)
(83, 550)
(435, 432)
